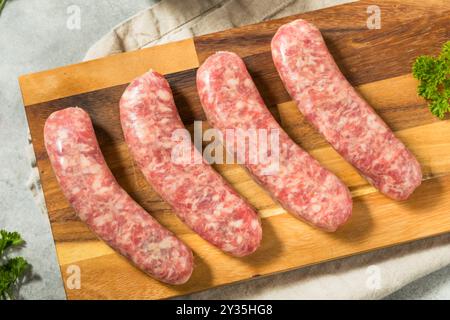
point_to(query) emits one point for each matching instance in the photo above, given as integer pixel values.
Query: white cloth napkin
(368, 276)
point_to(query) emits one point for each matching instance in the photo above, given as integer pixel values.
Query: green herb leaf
(13, 270)
(2, 5)
(434, 76)
(10, 274)
(9, 239)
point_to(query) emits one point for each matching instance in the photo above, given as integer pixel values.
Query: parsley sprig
(2, 5)
(434, 76)
(13, 269)
(9, 239)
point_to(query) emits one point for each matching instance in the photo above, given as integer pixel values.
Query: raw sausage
(198, 194)
(104, 206)
(346, 120)
(300, 184)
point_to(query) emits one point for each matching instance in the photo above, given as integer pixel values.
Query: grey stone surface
(34, 37)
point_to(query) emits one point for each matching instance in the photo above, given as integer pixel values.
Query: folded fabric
(171, 20)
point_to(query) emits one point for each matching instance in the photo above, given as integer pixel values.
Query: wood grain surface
(377, 62)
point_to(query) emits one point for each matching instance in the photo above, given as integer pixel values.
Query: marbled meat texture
(346, 120)
(104, 206)
(199, 196)
(301, 185)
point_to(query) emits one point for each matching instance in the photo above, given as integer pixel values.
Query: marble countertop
(35, 36)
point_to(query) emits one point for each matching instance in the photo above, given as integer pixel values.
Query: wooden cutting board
(377, 62)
